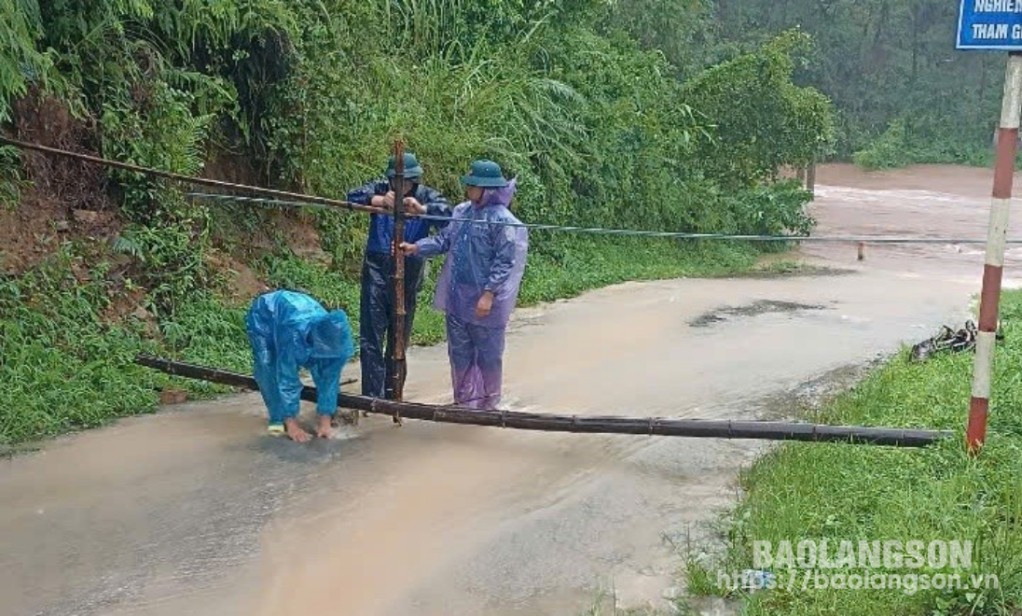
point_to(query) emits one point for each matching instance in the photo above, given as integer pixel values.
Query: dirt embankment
(65, 201)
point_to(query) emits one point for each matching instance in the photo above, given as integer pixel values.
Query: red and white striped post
(1000, 206)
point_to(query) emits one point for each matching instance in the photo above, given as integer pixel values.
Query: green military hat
(412, 169)
(485, 174)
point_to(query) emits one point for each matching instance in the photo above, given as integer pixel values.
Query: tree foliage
(763, 120)
(312, 93)
(884, 63)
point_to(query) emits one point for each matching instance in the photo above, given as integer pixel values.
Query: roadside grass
(841, 492)
(64, 366)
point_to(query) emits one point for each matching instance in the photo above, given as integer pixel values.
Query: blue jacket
(290, 330)
(381, 226)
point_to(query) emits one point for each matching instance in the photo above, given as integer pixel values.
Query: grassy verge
(64, 365)
(837, 492)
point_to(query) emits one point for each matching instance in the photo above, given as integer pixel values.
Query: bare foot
(323, 430)
(295, 432)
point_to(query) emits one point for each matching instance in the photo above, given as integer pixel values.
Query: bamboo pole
(397, 328)
(589, 424)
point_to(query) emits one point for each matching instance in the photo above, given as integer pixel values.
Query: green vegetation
(904, 94)
(838, 492)
(308, 96)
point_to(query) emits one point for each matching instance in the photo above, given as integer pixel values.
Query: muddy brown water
(194, 511)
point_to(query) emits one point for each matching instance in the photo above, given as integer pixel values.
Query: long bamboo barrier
(590, 424)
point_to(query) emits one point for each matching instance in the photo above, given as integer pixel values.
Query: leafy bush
(889, 150)
(763, 120)
(898, 147)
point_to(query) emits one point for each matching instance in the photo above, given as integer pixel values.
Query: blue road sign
(995, 25)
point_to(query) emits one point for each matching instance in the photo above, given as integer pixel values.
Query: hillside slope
(308, 96)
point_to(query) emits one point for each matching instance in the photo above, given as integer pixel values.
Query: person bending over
(288, 331)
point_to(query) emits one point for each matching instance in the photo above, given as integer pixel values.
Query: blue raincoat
(480, 257)
(376, 308)
(288, 331)
(381, 226)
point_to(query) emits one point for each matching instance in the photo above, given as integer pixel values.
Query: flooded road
(193, 511)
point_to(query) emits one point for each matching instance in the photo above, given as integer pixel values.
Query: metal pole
(398, 288)
(1000, 205)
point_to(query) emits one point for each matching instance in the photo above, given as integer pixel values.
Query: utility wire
(292, 199)
(877, 239)
(335, 203)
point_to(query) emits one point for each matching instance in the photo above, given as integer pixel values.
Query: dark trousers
(377, 313)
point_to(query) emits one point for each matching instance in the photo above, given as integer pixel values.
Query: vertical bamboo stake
(398, 288)
(1000, 205)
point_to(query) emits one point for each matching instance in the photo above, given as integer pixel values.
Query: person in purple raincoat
(478, 285)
